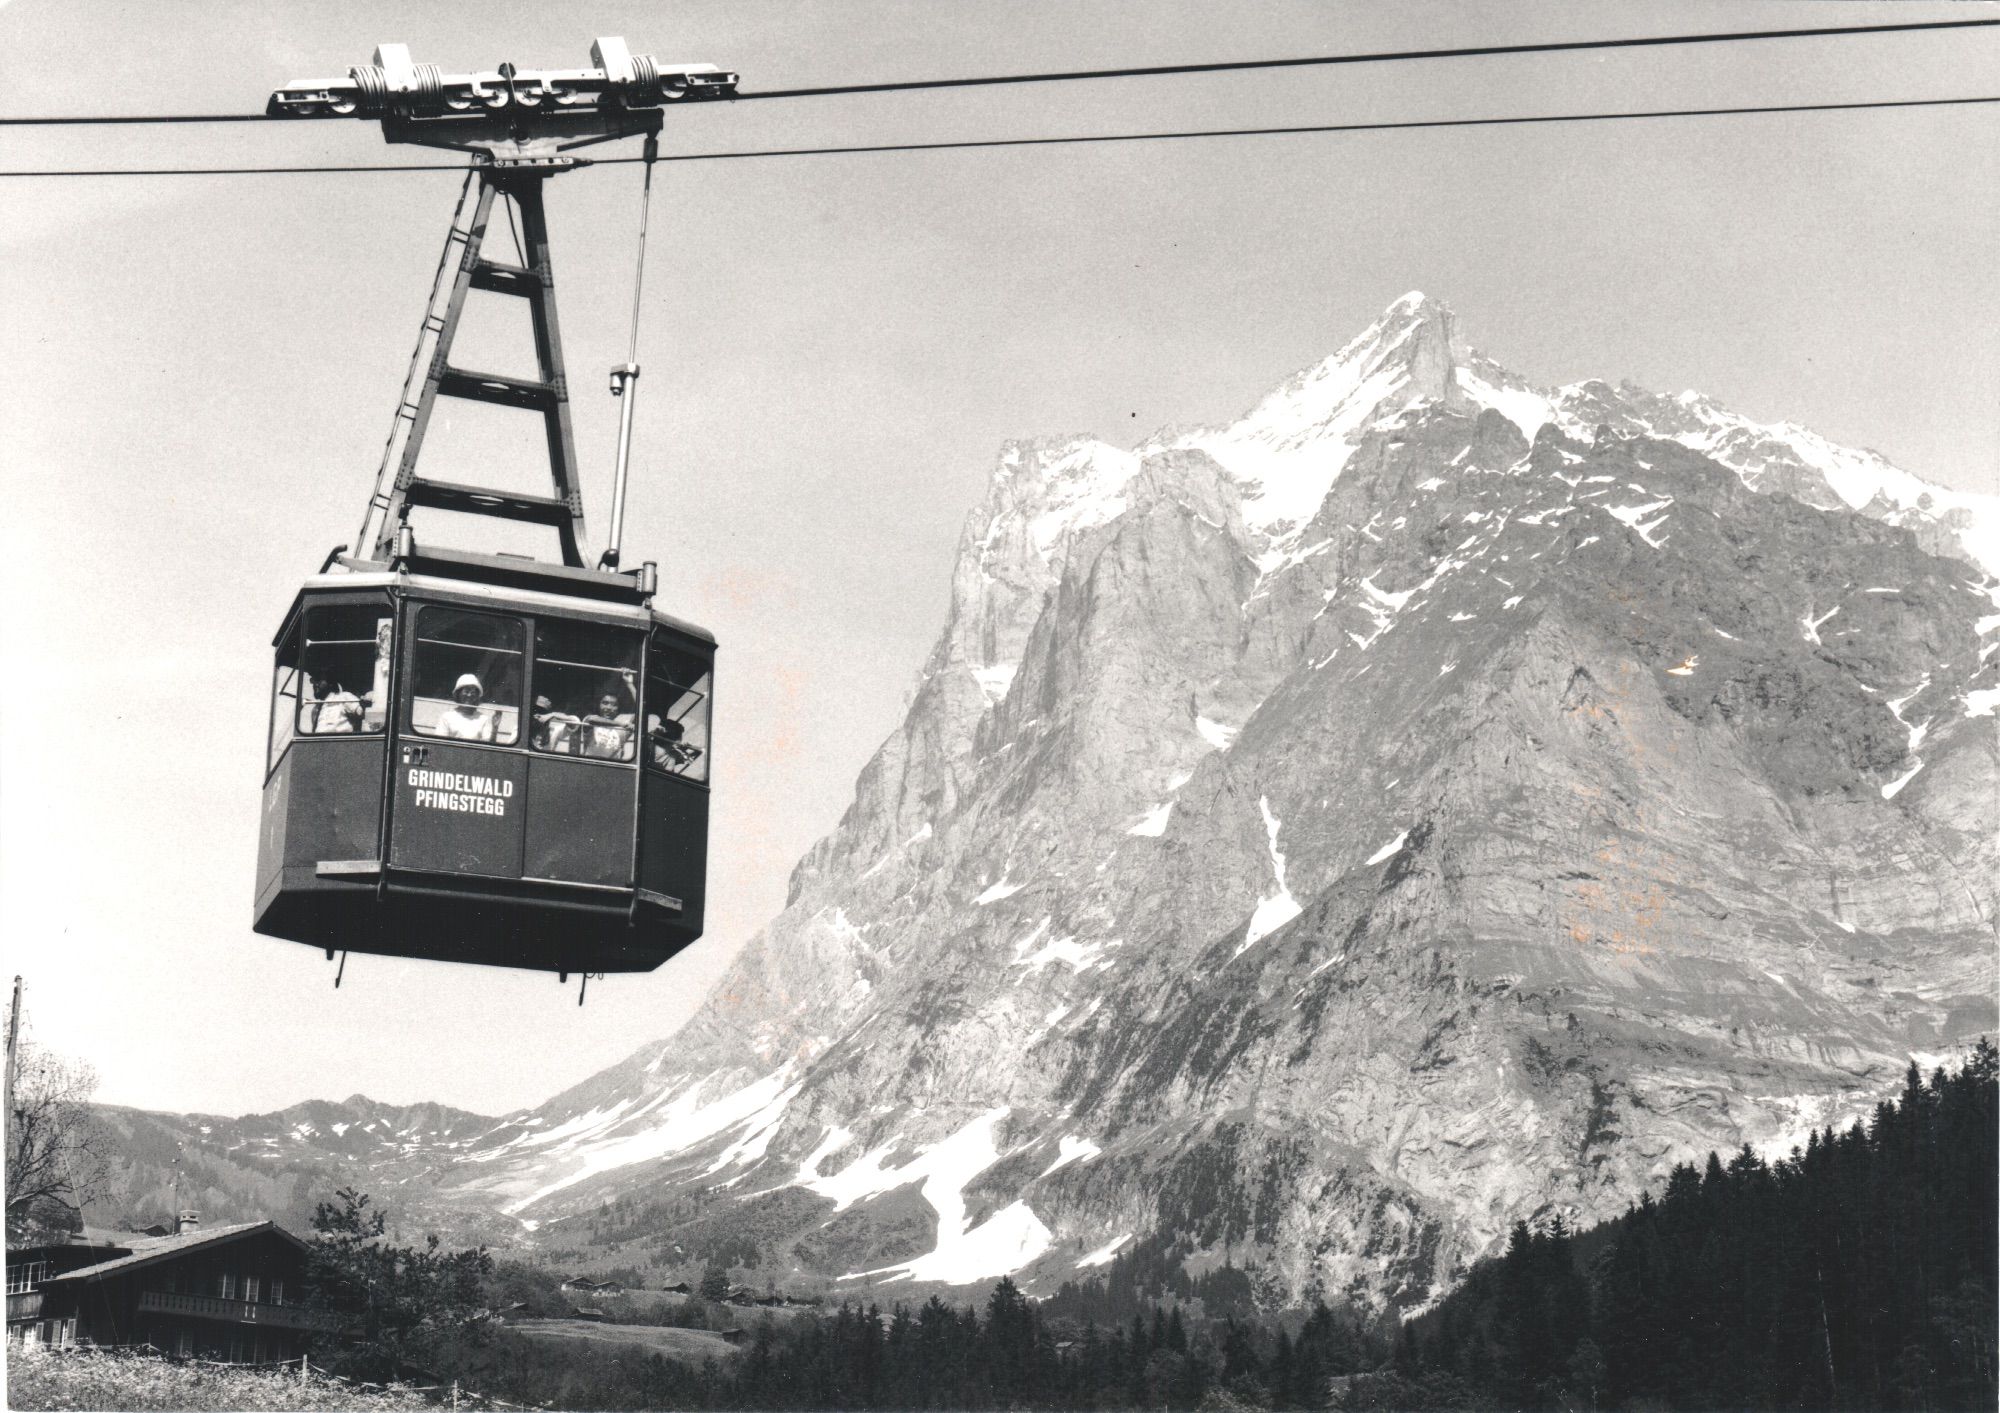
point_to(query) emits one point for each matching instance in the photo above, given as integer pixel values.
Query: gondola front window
(466, 676)
(678, 688)
(586, 690)
(344, 682)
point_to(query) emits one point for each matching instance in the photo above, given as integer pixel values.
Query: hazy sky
(199, 373)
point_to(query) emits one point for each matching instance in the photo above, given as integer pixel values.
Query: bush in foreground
(41, 1378)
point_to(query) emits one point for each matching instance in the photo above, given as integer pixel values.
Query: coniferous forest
(1857, 1272)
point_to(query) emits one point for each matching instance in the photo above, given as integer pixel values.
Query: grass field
(39, 1378)
(690, 1346)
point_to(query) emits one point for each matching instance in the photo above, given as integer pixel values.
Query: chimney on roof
(188, 1220)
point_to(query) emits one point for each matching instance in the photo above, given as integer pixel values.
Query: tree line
(1008, 1354)
(1857, 1272)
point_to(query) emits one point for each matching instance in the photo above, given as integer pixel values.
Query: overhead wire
(968, 144)
(1479, 51)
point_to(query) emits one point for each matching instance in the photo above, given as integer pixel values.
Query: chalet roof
(148, 1249)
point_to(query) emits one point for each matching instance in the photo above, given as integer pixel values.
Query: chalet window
(184, 1344)
(229, 1285)
(277, 1291)
(26, 1277)
(250, 1289)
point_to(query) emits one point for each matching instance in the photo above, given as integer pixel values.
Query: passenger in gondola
(467, 720)
(555, 730)
(335, 710)
(608, 730)
(668, 738)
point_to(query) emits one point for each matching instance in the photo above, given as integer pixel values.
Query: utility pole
(13, 1047)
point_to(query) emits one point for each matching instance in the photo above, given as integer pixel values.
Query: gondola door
(459, 795)
(583, 753)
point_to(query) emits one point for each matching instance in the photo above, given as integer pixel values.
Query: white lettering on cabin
(460, 794)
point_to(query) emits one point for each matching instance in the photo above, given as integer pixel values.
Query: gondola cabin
(480, 757)
(477, 759)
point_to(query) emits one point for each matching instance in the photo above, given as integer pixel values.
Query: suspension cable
(652, 155)
(625, 377)
(513, 234)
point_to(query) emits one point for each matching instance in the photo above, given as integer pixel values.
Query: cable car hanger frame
(520, 124)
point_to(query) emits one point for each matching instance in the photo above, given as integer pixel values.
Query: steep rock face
(1321, 841)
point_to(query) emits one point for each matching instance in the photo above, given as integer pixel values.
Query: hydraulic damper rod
(625, 377)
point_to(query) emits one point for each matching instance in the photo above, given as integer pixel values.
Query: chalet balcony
(240, 1312)
(24, 1305)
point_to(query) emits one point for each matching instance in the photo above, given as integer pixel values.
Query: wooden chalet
(230, 1293)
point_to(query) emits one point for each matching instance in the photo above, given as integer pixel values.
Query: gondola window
(678, 699)
(344, 686)
(457, 649)
(586, 690)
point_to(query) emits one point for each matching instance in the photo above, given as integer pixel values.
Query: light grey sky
(199, 373)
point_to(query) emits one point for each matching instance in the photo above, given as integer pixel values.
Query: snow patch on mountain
(1002, 889)
(1215, 733)
(1103, 1254)
(836, 1138)
(1281, 907)
(1635, 517)
(1011, 1238)
(1488, 386)
(1389, 850)
(1155, 822)
(676, 1127)
(995, 679)
(1078, 956)
(1072, 1149)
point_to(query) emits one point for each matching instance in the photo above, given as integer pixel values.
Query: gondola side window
(586, 690)
(344, 679)
(284, 699)
(679, 685)
(466, 676)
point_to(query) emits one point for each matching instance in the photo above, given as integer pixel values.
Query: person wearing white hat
(467, 720)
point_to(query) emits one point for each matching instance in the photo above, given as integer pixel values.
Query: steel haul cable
(1483, 51)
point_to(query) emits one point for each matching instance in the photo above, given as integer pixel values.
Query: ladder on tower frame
(398, 486)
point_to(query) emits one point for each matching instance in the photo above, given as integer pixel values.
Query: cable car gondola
(480, 757)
